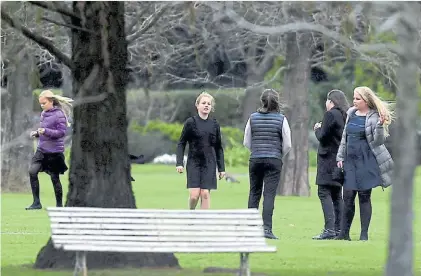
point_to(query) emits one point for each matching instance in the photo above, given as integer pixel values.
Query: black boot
(364, 236)
(34, 206)
(269, 235)
(325, 235)
(58, 191)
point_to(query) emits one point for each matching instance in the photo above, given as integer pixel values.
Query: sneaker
(270, 235)
(325, 235)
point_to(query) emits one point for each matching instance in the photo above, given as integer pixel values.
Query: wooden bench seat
(157, 231)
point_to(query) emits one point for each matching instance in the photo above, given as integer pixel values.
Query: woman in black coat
(329, 134)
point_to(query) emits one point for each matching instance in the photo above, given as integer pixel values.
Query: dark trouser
(364, 198)
(55, 179)
(267, 171)
(332, 205)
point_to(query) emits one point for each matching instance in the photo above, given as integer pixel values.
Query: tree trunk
(401, 244)
(17, 147)
(100, 168)
(294, 176)
(251, 99)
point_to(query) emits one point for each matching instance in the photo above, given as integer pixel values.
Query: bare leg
(194, 197)
(204, 199)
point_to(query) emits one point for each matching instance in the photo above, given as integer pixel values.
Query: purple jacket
(55, 125)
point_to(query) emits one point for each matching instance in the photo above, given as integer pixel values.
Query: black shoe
(270, 235)
(34, 206)
(364, 236)
(343, 236)
(325, 235)
(59, 205)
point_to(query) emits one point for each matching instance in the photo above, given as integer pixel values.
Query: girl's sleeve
(184, 138)
(219, 150)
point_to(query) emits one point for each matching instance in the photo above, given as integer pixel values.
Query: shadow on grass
(27, 270)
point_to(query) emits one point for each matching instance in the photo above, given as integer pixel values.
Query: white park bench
(157, 231)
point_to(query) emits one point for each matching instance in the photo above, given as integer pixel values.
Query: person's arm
(286, 138)
(324, 132)
(378, 134)
(219, 150)
(61, 127)
(181, 146)
(247, 135)
(340, 156)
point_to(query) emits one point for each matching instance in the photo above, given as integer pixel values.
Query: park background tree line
(103, 49)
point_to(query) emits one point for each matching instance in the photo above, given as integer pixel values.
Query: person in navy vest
(329, 134)
(267, 135)
(49, 156)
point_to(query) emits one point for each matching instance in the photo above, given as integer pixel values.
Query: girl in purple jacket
(49, 156)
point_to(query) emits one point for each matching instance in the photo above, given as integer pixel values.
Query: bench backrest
(139, 230)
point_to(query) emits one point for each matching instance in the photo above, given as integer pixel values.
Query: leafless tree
(98, 63)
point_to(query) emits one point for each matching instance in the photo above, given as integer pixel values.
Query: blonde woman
(49, 156)
(205, 152)
(363, 156)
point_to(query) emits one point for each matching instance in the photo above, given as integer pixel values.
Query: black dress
(360, 165)
(205, 152)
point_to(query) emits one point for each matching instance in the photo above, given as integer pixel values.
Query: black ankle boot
(269, 235)
(343, 235)
(325, 235)
(34, 206)
(364, 236)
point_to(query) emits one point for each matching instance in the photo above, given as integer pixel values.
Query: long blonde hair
(375, 103)
(63, 103)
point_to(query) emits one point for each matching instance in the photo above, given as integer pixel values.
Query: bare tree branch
(67, 25)
(46, 43)
(53, 6)
(147, 24)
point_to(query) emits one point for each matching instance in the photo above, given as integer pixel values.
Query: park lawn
(296, 220)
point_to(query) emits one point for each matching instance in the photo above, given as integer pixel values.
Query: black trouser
(364, 198)
(267, 171)
(55, 179)
(332, 205)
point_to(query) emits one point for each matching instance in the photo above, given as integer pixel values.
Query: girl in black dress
(205, 152)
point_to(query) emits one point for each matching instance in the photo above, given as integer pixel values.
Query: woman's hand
(382, 119)
(340, 164)
(221, 175)
(317, 125)
(34, 133)
(180, 169)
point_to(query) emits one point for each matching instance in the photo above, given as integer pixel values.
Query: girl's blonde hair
(207, 95)
(63, 103)
(375, 103)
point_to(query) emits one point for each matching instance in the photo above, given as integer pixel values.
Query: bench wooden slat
(153, 211)
(155, 215)
(158, 227)
(158, 238)
(211, 249)
(173, 221)
(157, 244)
(257, 233)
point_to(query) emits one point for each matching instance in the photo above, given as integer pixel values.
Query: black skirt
(51, 163)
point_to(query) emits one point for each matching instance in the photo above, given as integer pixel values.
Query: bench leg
(80, 265)
(244, 264)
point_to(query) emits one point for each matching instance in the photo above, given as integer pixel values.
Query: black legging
(332, 205)
(364, 198)
(55, 179)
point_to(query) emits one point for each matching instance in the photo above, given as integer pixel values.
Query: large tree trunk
(17, 147)
(401, 244)
(251, 99)
(294, 177)
(100, 168)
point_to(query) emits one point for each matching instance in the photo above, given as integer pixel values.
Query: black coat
(329, 136)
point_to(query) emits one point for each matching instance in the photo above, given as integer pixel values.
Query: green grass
(296, 220)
